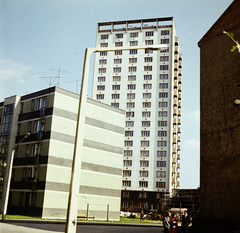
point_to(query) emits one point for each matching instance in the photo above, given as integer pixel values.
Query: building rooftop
(227, 21)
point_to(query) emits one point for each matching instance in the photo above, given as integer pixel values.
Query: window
(164, 51)
(132, 69)
(117, 70)
(134, 34)
(103, 53)
(127, 173)
(161, 163)
(125, 194)
(104, 37)
(160, 184)
(102, 61)
(161, 174)
(164, 41)
(118, 52)
(143, 184)
(116, 105)
(36, 149)
(101, 79)
(104, 44)
(116, 78)
(128, 153)
(163, 85)
(117, 36)
(127, 162)
(162, 113)
(128, 133)
(149, 33)
(146, 104)
(146, 95)
(118, 61)
(41, 103)
(27, 152)
(162, 104)
(144, 163)
(148, 59)
(115, 96)
(163, 76)
(130, 105)
(143, 173)
(129, 123)
(162, 133)
(162, 143)
(131, 96)
(132, 60)
(161, 153)
(146, 123)
(148, 42)
(163, 95)
(163, 67)
(101, 87)
(126, 204)
(131, 77)
(145, 143)
(162, 123)
(164, 58)
(148, 51)
(147, 68)
(133, 43)
(133, 51)
(33, 104)
(165, 32)
(147, 77)
(118, 44)
(144, 153)
(115, 87)
(131, 86)
(129, 114)
(147, 86)
(126, 183)
(38, 126)
(128, 143)
(146, 114)
(102, 70)
(145, 133)
(30, 124)
(100, 97)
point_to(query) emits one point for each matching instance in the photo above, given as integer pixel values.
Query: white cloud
(192, 143)
(10, 69)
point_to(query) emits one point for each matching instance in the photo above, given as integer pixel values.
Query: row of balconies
(177, 112)
(176, 121)
(177, 57)
(177, 103)
(177, 139)
(176, 149)
(177, 130)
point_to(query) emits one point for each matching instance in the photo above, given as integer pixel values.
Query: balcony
(175, 121)
(179, 104)
(175, 102)
(179, 72)
(176, 58)
(178, 184)
(179, 96)
(178, 156)
(179, 130)
(42, 112)
(175, 67)
(180, 56)
(174, 140)
(176, 50)
(180, 65)
(178, 139)
(173, 181)
(179, 121)
(178, 165)
(175, 93)
(178, 174)
(173, 170)
(179, 80)
(178, 147)
(173, 160)
(179, 88)
(176, 41)
(174, 150)
(179, 113)
(175, 111)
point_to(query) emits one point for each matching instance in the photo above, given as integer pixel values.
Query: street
(81, 228)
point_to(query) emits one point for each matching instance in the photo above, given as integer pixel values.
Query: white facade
(146, 84)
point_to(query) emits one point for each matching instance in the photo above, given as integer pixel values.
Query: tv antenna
(51, 79)
(77, 80)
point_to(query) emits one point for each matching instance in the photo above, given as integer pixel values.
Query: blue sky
(41, 36)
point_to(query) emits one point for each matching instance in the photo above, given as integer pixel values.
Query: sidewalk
(10, 228)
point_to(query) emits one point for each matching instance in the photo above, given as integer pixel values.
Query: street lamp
(71, 219)
(8, 176)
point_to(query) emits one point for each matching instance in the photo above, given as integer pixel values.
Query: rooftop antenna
(50, 80)
(76, 84)
(59, 73)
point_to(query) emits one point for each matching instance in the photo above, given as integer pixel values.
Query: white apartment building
(147, 85)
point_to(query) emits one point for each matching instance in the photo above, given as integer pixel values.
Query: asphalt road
(86, 228)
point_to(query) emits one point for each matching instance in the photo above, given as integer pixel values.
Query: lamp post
(8, 176)
(71, 218)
